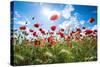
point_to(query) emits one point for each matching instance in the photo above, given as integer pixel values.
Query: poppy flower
(73, 32)
(57, 33)
(62, 29)
(31, 30)
(36, 43)
(83, 27)
(22, 28)
(67, 37)
(61, 35)
(55, 42)
(54, 17)
(43, 32)
(51, 32)
(47, 33)
(53, 28)
(36, 25)
(33, 18)
(78, 30)
(40, 29)
(95, 30)
(88, 32)
(49, 39)
(91, 20)
(34, 34)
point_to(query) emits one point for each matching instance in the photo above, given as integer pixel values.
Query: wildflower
(31, 30)
(83, 27)
(22, 28)
(54, 17)
(36, 25)
(78, 29)
(62, 29)
(95, 30)
(34, 34)
(43, 32)
(40, 29)
(49, 39)
(91, 20)
(88, 32)
(52, 33)
(68, 37)
(61, 35)
(53, 28)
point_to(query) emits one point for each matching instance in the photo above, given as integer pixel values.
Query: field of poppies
(72, 47)
(49, 33)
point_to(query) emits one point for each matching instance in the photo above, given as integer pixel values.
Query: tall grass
(60, 53)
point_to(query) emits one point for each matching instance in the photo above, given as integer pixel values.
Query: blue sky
(70, 15)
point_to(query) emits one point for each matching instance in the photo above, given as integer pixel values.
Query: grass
(60, 53)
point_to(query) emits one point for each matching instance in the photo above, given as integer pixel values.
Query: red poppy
(83, 27)
(40, 29)
(36, 25)
(57, 33)
(61, 35)
(47, 33)
(53, 28)
(34, 34)
(55, 42)
(49, 39)
(88, 32)
(62, 29)
(95, 30)
(67, 37)
(51, 32)
(54, 17)
(43, 32)
(73, 32)
(78, 30)
(91, 20)
(31, 30)
(22, 28)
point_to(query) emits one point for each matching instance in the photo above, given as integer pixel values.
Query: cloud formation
(21, 22)
(17, 14)
(66, 13)
(94, 27)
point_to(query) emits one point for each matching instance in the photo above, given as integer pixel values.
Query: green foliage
(60, 53)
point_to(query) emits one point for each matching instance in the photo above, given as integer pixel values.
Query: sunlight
(47, 12)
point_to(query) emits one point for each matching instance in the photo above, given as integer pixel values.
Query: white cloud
(66, 25)
(72, 23)
(82, 22)
(66, 13)
(21, 22)
(94, 27)
(17, 14)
